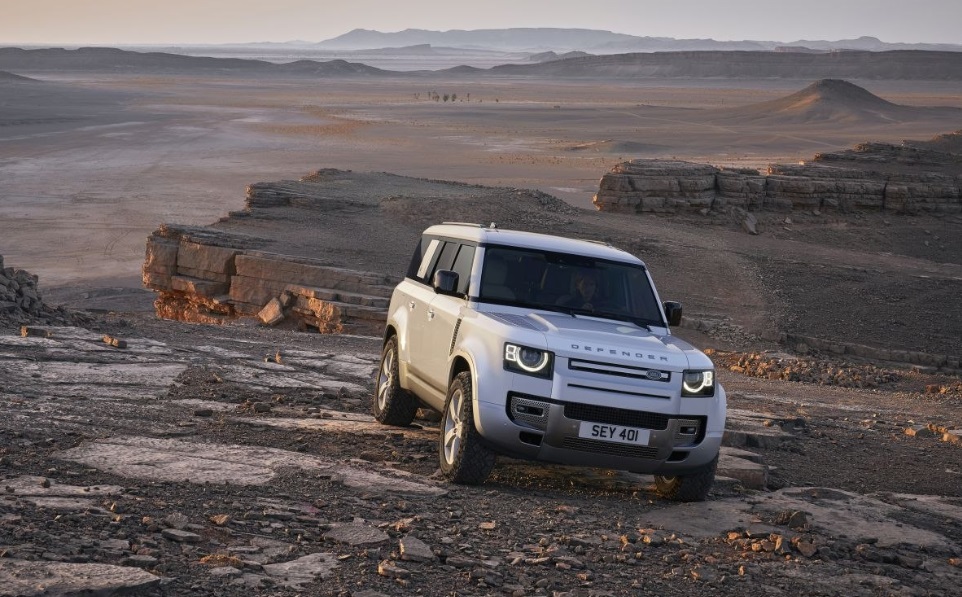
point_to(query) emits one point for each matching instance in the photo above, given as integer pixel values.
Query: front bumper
(684, 434)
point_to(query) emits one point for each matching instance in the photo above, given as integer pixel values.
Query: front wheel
(464, 457)
(692, 487)
(393, 405)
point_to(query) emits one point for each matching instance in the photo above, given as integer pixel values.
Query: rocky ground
(152, 457)
(158, 458)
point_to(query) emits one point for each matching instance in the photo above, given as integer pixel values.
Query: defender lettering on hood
(620, 353)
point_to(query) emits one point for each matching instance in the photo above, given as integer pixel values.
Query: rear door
(415, 301)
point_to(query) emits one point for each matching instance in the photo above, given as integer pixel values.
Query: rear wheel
(691, 487)
(464, 457)
(393, 405)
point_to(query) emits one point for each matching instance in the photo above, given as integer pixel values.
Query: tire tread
(401, 406)
(474, 461)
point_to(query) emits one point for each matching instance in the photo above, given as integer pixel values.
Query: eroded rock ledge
(209, 276)
(914, 177)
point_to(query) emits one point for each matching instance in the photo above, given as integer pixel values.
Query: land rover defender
(550, 349)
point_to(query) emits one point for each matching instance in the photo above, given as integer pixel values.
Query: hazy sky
(106, 22)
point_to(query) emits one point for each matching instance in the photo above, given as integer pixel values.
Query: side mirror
(446, 282)
(673, 313)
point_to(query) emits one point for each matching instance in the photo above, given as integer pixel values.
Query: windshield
(571, 284)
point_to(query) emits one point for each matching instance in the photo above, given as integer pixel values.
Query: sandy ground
(90, 166)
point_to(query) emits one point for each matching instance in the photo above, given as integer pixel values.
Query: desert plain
(238, 458)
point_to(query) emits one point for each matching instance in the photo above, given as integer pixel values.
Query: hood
(613, 341)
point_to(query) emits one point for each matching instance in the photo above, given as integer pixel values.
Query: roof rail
(463, 224)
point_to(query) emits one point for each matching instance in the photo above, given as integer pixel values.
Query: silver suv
(551, 349)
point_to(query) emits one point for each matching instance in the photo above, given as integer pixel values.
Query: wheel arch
(460, 363)
(389, 332)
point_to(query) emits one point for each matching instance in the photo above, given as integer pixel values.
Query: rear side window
(422, 259)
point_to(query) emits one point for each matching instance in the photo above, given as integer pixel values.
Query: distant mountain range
(593, 41)
(859, 65)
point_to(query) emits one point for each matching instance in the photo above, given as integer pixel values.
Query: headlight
(698, 383)
(530, 361)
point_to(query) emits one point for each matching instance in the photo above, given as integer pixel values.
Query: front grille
(619, 392)
(609, 448)
(644, 373)
(616, 416)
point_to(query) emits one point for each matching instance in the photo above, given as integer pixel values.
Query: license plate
(614, 433)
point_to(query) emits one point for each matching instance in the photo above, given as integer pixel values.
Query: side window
(423, 256)
(462, 265)
(416, 259)
(446, 260)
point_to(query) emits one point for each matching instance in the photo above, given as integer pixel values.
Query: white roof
(530, 240)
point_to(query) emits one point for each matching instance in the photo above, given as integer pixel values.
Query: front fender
(480, 344)
(479, 357)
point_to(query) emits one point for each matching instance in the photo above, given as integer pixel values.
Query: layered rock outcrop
(208, 276)
(908, 178)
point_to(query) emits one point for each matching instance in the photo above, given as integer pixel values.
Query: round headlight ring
(695, 382)
(532, 359)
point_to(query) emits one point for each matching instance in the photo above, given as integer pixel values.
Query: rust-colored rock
(223, 280)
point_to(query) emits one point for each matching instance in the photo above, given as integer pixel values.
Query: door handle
(412, 304)
(430, 314)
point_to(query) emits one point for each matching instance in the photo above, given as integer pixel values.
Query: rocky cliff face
(907, 178)
(208, 276)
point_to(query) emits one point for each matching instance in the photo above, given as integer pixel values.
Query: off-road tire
(392, 405)
(465, 459)
(693, 487)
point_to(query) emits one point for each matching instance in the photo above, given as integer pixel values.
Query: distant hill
(896, 65)
(329, 68)
(115, 60)
(549, 56)
(5, 76)
(872, 44)
(560, 40)
(828, 101)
